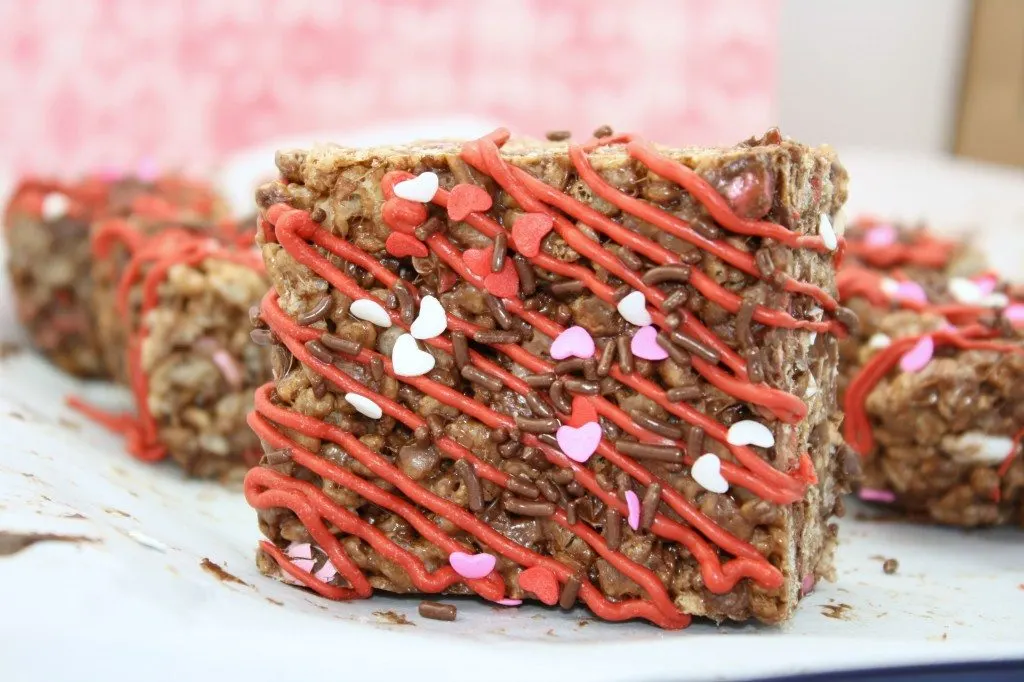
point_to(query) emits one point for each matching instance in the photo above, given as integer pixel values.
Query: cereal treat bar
(599, 373)
(47, 230)
(934, 382)
(189, 360)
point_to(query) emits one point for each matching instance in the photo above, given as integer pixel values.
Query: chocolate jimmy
(575, 488)
(340, 345)
(559, 398)
(538, 406)
(649, 506)
(581, 386)
(319, 311)
(661, 453)
(742, 324)
(679, 393)
(548, 490)
(537, 425)
(590, 369)
(568, 366)
(481, 378)
(695, 442)
(674, 300)
(460, 349)
(254, 317)
(674, 352)
(376, 368)
(570, 590)
(432, 226)
(570, 513)
(560, 289)
(318, 215)
(848, 318)
(563, 315)
(630, 259)
(472, 483)
(603, 131)
(527, 278)
(319, 386)
(561, 476)
(522, 488)
(548, 439)
(436, 425)
(604, 365)
(625, 354)
(500, 248)
(558, 135)
(318, 351)
(612, 528)
(656, 425)
(755, 364)
(498, 435)
(608, 386)
(694, 346)
(498, 311)
(263, 337)
(437, 611)
(706, 227)
(509, 449)
(621, 292)
(492, 336)
(763, 261)
(406, 305)
(610, 430)
(539, 380)
(522, 507)
(667, 273)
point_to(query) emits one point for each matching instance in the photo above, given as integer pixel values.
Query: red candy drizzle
(546, 209)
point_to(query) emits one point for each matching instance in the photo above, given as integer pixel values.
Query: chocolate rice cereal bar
(190, 363)
(47, 231)
(934, 382)
(599, 374)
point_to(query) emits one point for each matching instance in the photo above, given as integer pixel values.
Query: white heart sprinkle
(879, 340)
(750, 432)
(371, 311)
(633, 308)
(55, 206)
(364, 405)
(431, 321)
(422, 188)
(827, 234)
(964, 290)
(407, 358)
(707, 471)
(889, 286)
(975, 446)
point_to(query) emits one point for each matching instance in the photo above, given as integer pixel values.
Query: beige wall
(879, 73)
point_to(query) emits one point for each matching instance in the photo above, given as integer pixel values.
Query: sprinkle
(401, 245)
(337, 343)
(680, 393)
(964, 290)
(498, 311)
(541, 582)
(612, 528)
(919, 356)
(522, 488)
(807, 584)
(431, 321)
(707, 471)
(364, 405)
(649, 506)
(537, 424)
(581, 386)
(55, 206)
(633, 507)
(407, 358)
(750, 432)
(879, 340)
(674, 352)
(437, 611)
(986, 283)
(579, 444)
(319, 351)
(540, 380)
(472, 566)
(975, 446)
(371, 311)
(538, 406)
(645, 344)
(662, 428)
(903, 291)
(474, 493)
(481, 378)
(568, 287)
(527, 507)
(460, 349)
(667, 273)
(492, 336)
(604, 365)
(573, 342)
(422, 188)
(319, 311)
(529, 231)
(626, 363)
(828, 235)
(881, 235)
(877, 495)
(465, 198)
(633, 309)
(570, 590)
(509, 602)
(228, 367)
(1015, 314)
(660, 453)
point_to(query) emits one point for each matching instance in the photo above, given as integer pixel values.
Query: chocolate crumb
(890, 566)
(558, 135)
(219, 573)
(12, 543)
(437, 611)
(603, 131)
(392, 617)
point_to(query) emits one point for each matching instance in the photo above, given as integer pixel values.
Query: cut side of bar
(600, 373)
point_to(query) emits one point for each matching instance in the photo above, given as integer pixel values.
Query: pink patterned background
(86, 83)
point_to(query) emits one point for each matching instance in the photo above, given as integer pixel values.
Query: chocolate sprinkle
(569, 366)
(590, 369)
(527, 278)
(848, 319)
(649, 505)
(499, 253)
(336, 343)
(318, 215)
(527, 507)
(537, 425)
(561, 476)
(498, 311)
(498, 435)
(436, 425)
(706, 227)
(317, 312)
(570, 513)
(656, 425)
(667, 273)
(570, 590)
(609, 386)
(490, 336)
(744, 316)
(558, 135)
(696, 347)
(318, 351)
(548, 439)
(376, 368)
(680, 393)
(509, 449)
(481, 378)
(538, 406)
(660, 453)
(318, 384)
(566, 288)
(460, 349)
(475, 495)
(437, 611)
(263, 337)
(603, 131)
(612, 528)
(630, 259)
(581, 386)
(548, 490)
(763, 260)
(625, 354)
(539, 380)
(604, 365)
(432, 226)
(755, 364)
(695, 441)
(406, 305)
(522, 488)
(558, 397)
(674, 352)
(674, 300)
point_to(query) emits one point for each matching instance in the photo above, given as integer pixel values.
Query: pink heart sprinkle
(877, 495)
(918, 356)
(148, 170)
(573, 342)
(304, 565)
(579, 444)
(807, 584)
(472, 566)
(633, 507)
(1014, 313)
(326, 573)
(645, 345)
(299, 550)
(509, 602)
(881, 235)
(986, 284)
(910, 291)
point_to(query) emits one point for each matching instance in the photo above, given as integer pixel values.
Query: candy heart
(364, 405)
(403, 216)
(408, 360)
(504, 284)
(478, 260)
(582, 412)
(750, 432)
(1015, 314)
(431, 320)
(541, 582)
(633, 510)
(877, 495)
(645, 345)
(879, 340)
(827, 234)
(964, 290)
(55, 206)
(371, 311)
(986, 283)
(471, 566)
(422, 188)
(401, 245)
(904, 291)
(326, 573)
(880, 235)
(148, 170)
(509, 602)
(633, 308)
(573, 342)
(465, 199)
(919, 356)
(707, 471)
(529, 230)
(299, 550)
(579, 444)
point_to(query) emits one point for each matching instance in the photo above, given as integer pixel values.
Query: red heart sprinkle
(465, 199)
(402, 215)
(583, 411)
(401, 245)
(504, 284)
(541, 582)
(478, 260)
(529, 230)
